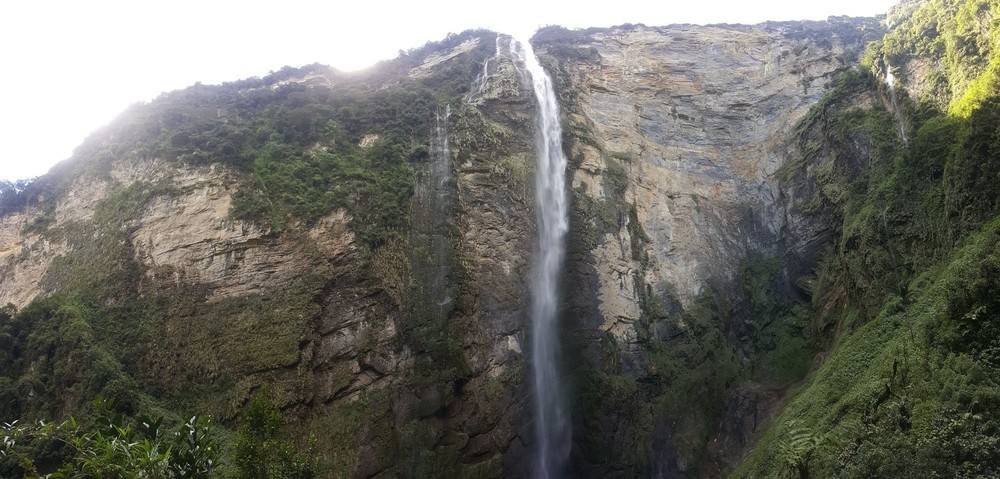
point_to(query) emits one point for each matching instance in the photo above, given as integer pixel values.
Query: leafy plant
(112, 447)
(799, 446)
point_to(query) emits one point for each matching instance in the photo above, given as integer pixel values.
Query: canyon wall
(675, 136)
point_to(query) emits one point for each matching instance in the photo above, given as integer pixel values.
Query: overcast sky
(71, 67)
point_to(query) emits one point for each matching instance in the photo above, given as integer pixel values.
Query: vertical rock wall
(676, 135)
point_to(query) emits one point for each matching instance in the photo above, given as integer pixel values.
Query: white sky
(70, 67)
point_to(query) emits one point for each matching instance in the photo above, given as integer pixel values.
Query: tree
(260, 452)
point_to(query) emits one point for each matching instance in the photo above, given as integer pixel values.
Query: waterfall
(890, 80)
(479, 84)
(552, 428)
(441, 156)
(439, 180)
(430, 239)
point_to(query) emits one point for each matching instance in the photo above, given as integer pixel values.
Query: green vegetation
(259, 451)
(913, 391)
(52, 362)
(695, 367)
(617, 416)
(291, 185)
(961, 34)
(778, 329)
(906, 297)
(110, 446)
(358, 431)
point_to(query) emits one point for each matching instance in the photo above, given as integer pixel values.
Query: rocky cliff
(357, 248)
(676, 135)
(332, 313)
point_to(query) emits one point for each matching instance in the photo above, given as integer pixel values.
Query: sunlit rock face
(184, 235)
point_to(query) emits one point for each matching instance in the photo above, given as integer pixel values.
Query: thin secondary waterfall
(479, 85)
(430, 241)
(890, 80)
(440, 168)
(438, 180)
(552, 426)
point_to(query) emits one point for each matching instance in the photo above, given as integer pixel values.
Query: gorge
(677, 251)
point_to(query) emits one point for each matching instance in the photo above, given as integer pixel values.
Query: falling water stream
(890, 80)
(438, 196)
(430, 238)
(552, 426)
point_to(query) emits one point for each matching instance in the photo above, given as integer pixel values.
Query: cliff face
(699, 120)
(676, 135)
(393, 327)
(398, 346)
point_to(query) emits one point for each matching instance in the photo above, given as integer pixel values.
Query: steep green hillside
(908, 292)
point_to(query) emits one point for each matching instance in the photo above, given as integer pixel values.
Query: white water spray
(890, 80)
(479, 86)
(552, 427)
(441, 166)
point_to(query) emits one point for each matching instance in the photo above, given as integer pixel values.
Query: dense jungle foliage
(908, 292)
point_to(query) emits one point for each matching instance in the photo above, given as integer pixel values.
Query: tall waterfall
(552, 427)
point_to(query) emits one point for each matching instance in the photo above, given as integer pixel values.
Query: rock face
(675, 136)
(699, 118)
(684, 128)
(184, 235)
(350, 340)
